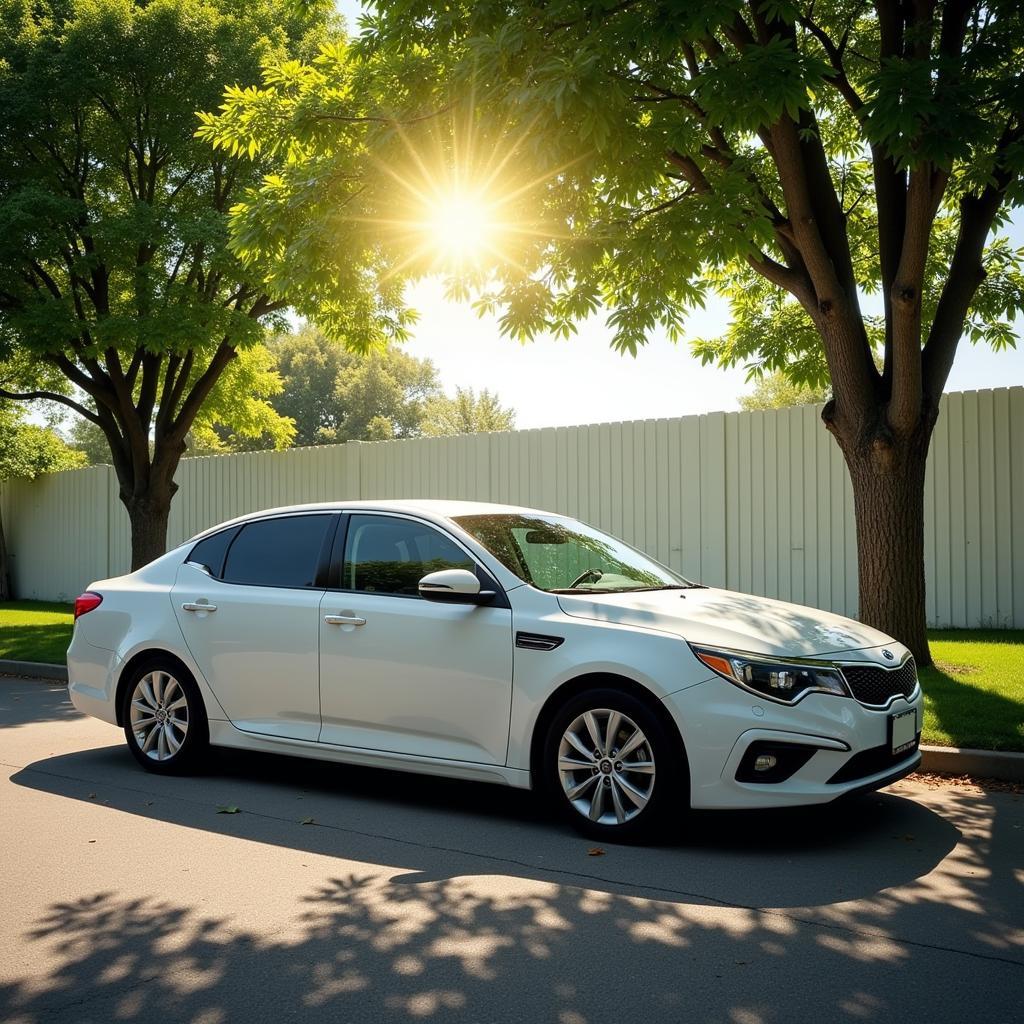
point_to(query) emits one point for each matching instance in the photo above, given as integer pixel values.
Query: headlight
(785, 681)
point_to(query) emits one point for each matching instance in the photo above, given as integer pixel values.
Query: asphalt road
(127, 897)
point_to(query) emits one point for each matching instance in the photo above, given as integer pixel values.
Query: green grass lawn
(35, 631)
(974, 693)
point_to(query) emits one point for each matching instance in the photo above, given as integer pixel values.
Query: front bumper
(845, 746)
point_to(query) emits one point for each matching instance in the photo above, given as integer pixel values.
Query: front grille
(876, 686)
(871, 762)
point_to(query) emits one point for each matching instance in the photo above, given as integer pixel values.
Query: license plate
(903, 730)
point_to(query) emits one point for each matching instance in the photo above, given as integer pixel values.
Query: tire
(637, 791)
(162, 706)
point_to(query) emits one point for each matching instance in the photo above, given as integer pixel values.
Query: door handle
(198, 606)
(344, 620)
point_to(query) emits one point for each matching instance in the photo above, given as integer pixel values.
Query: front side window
(565, 556)
(279, 552)
(387, 555)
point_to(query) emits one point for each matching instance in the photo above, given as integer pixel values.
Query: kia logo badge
(887, 655)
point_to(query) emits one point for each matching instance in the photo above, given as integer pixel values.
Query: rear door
(251, 620)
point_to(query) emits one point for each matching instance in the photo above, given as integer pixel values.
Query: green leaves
(28, 449)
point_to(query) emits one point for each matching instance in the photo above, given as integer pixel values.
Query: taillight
(87, 602)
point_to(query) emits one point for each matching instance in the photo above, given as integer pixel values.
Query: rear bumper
(91, 674)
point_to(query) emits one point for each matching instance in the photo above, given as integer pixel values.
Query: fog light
(765, 762)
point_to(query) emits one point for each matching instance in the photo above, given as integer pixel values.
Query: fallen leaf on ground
(227, 809)
(595, 851)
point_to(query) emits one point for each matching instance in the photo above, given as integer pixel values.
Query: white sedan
(495, 643)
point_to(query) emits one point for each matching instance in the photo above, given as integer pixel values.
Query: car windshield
(565, 556)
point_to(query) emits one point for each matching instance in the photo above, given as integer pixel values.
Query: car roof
(430, 508)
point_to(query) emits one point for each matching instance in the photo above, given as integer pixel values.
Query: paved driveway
(127, 897)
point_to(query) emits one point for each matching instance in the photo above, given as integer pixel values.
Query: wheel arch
(591, 681)
(133, 662)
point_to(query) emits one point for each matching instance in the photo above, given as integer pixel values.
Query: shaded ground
(128, 897)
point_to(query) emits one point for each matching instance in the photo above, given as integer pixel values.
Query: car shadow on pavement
(491, 910)
(494, 912)
(783, 858)
(23, 702)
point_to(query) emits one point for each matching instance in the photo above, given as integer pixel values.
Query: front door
(251, 621)
(405, 674)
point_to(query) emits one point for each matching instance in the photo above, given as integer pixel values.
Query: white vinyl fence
(757, 501)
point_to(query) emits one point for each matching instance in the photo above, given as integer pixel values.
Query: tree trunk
(888, 496)
(148, 514)
(6, 592)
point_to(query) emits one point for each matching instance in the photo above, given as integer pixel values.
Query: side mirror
(454, 586)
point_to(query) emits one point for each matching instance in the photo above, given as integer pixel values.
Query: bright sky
(560, 383)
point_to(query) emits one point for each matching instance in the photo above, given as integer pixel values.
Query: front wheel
(611, 766)
(164, 718)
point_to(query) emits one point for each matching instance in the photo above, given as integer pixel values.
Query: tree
(26, 450)
(777, 391)
(237, 415)
(334, 394)
(85, 436)
(466, 413)
(310, 365)
(382, 395)
(835, 168)
(114, 263)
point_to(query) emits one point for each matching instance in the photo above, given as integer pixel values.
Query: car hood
(723, 618)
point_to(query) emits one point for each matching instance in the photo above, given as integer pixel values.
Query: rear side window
(385, 555)
(210, 551)
(281, 552)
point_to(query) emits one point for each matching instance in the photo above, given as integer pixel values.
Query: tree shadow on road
(362, 947)
(466, 903)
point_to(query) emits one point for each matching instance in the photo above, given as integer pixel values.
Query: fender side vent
(538, 641)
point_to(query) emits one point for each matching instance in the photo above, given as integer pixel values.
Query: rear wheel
(611, 766)
(164, 718)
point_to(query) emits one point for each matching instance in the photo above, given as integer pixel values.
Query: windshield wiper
(675, 586)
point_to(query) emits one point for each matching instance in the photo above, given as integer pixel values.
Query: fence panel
(756, 501)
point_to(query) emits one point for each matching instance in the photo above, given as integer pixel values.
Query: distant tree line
(313, 391)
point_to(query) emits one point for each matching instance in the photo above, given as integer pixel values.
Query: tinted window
(280, 552)
(391, 556)
(210, 551)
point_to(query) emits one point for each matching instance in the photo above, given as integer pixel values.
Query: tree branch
(50, 396)
(200, 390)
(835, 57)
(977, 215)
(924, 194)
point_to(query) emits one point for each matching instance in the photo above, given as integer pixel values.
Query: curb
(34, 670)
(982, 764)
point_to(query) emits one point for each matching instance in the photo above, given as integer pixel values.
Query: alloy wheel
(606, 766)
(159, 715)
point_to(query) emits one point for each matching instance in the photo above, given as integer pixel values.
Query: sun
(461, 228)
(458, 206)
